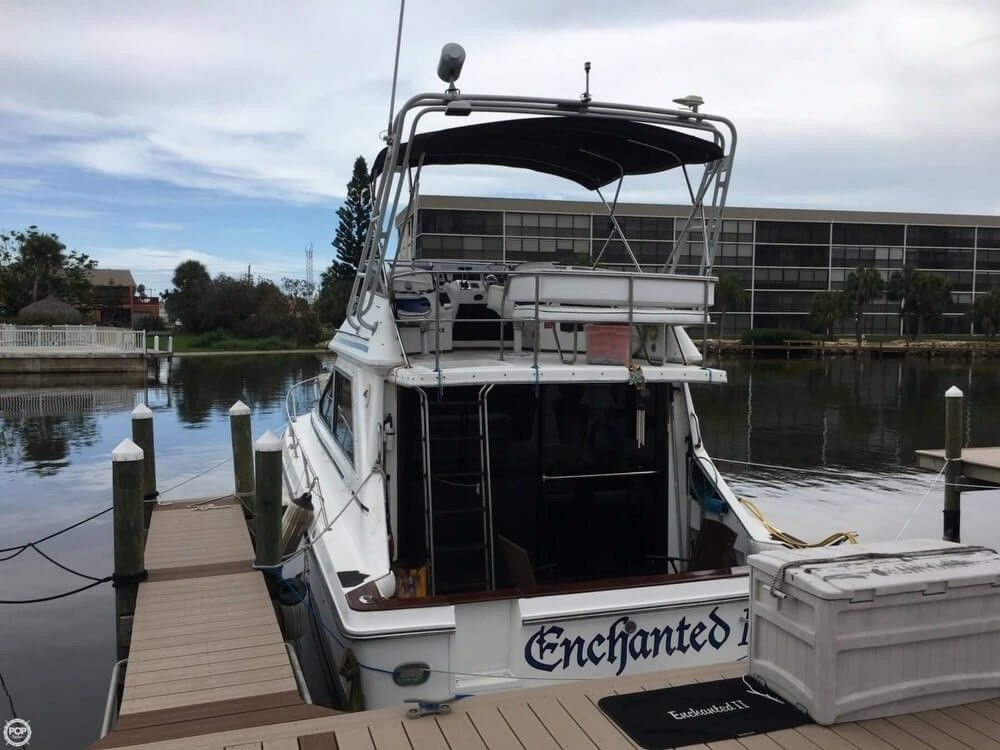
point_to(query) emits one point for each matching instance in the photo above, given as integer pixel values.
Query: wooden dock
(979, 464)
(206, 651)
(208, 670)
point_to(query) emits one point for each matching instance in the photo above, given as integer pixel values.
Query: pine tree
(354, 216)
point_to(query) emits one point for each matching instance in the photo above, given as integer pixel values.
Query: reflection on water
(856, 422)
(860, 421)
(41, 425)
(56, 438)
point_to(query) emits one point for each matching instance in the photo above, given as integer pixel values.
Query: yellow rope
(840, 537)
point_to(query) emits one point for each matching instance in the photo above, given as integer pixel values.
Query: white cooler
(862, 631)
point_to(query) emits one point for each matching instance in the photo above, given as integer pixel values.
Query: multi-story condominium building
(783, 256)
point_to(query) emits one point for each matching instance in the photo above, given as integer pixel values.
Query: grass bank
(218, 342)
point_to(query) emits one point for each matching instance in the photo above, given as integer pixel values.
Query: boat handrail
(291, 414)
(558, 309)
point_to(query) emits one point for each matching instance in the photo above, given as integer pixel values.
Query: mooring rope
(913, 513)
(94, 580)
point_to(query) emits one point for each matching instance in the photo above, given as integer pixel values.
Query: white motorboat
(508, 473)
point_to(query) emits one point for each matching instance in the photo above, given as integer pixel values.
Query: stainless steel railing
(539, 298)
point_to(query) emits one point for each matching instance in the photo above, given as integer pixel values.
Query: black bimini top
(591, 151)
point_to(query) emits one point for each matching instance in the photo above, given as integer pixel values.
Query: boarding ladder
(457, 490)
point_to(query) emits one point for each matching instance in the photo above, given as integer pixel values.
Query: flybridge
(592, 143)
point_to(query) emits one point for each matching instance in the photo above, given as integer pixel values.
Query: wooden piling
(142, 435)
(239, 426)
(127, 484)
(953, 399)
(267, 519)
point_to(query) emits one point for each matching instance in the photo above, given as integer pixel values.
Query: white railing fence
(77, 338)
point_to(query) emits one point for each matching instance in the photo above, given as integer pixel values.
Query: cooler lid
(861, 572)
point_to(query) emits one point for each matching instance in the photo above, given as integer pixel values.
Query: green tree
(303, 323)
(921, 296)
(863, 286)
(331, 302)
(355, 215)
(902, 288)
(986, 313)
(35, 264)
(932, 297)
(730, 295)
(828, 310)
(187, 301)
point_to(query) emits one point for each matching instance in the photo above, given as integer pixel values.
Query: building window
(868, 234)
(790, 278)
(800, 232)
(636, 227)
(988, 237)
(440, 221)
(547, 225)
(988, 259)
(921, 236)
(792, 255)
(939, 258)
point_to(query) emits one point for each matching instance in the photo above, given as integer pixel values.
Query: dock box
(863, 631)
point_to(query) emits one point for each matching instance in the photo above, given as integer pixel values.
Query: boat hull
(515, 643)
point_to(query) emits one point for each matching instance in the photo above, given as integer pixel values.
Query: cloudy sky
(146, 132)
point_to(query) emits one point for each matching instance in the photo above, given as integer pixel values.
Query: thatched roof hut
(49, 311)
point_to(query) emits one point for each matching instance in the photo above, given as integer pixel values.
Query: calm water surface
(857, 423)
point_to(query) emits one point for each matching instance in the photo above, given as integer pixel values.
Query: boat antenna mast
(585, 96)
(395, 73)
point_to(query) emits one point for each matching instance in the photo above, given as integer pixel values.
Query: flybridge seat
(548, 292)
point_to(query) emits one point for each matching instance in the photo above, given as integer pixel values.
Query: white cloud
(276, 100)
(60, 212)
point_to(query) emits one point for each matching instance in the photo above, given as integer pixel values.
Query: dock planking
(566, 716)
(206, 653)
(208, 670)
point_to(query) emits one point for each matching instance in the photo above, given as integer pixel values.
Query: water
(55, 447)
(859, 421)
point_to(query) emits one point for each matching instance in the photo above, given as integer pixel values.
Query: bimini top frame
(373, 278)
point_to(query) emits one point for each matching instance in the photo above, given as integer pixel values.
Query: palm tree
(828, 309)
(902, 287)
(932, 297)
(863, 286)
(730, 294)
(986, 313)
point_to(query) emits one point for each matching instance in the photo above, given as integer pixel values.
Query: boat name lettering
(550, 647)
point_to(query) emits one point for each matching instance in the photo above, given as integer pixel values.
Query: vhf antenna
(585, 96)
(395, 73)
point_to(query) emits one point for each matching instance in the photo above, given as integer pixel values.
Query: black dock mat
(700, 712)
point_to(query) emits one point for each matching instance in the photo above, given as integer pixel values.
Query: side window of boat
(326, 403)
(341, 420)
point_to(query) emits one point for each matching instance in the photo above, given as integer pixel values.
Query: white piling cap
(239, 409)
(954, 392)
(142, 412)
(126, 450)
(267, 443)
